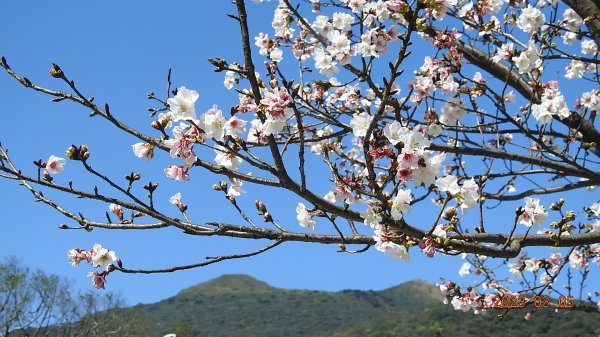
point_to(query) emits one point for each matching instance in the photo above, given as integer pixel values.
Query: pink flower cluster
(98, 257)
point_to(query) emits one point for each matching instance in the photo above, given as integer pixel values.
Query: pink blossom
(98, 279)
(181, 146)
(404, 174)
(577, 261)
(77, 255)
(427, 246)
(276, 100)
(176, 172)
(143, 150)
(234, 126)
(384, 243)
(116, 209)
(55, 165)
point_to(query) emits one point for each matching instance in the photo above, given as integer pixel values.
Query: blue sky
(118, 53)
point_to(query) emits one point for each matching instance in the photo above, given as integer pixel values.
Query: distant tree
(484, 122)
(42, 305)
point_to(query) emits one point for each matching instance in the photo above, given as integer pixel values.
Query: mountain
(239, 305)
(252, 308)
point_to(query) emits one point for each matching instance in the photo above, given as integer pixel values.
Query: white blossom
(182, 106)
(533, 213)
(102, 257)
(55, 164)
(226, 158)
(401, 203)
(530, 20)
(360, 124)
(465, 269)
(304, 217)
(448, 184)
(371, 218)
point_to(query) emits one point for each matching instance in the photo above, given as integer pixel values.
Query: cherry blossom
(448, 184)
(176, 172)
(98, 279)
(427, 246)
(176, 199)
(528, 59)
(55, 165)
(116, 210)
(75, 256)
(384, 244)
(530, 20)
(143, 150)
(227, 159)
(534, 214)
(452, 111)
(234, 126)
(371, 217)
(102, 257)
(235, 188)
(182, 106)
(577, 261)
(324, 62)
(304, 217)
(465, 269)
(360, 123)
(181, 146)
(553, 104)
(440, 231)
(213, 123)
(401, 203)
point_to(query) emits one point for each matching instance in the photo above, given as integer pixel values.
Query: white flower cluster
(528, 59)
(531, 19)
(552, 104)
(467, 194)
(534, 214)
(591, 100)
(98, 257)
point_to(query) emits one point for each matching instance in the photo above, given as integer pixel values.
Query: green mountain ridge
(239, 305)
(253, 308)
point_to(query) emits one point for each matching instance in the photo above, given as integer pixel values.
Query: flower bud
(223, 185)
(72, 153)
(570, 216)
(267, 217)
(260, 207)
(56, 72)
(421, 24)
(319, 213)
(449, 213)
(156, 125)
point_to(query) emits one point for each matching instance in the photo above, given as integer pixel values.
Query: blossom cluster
(98, 257)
